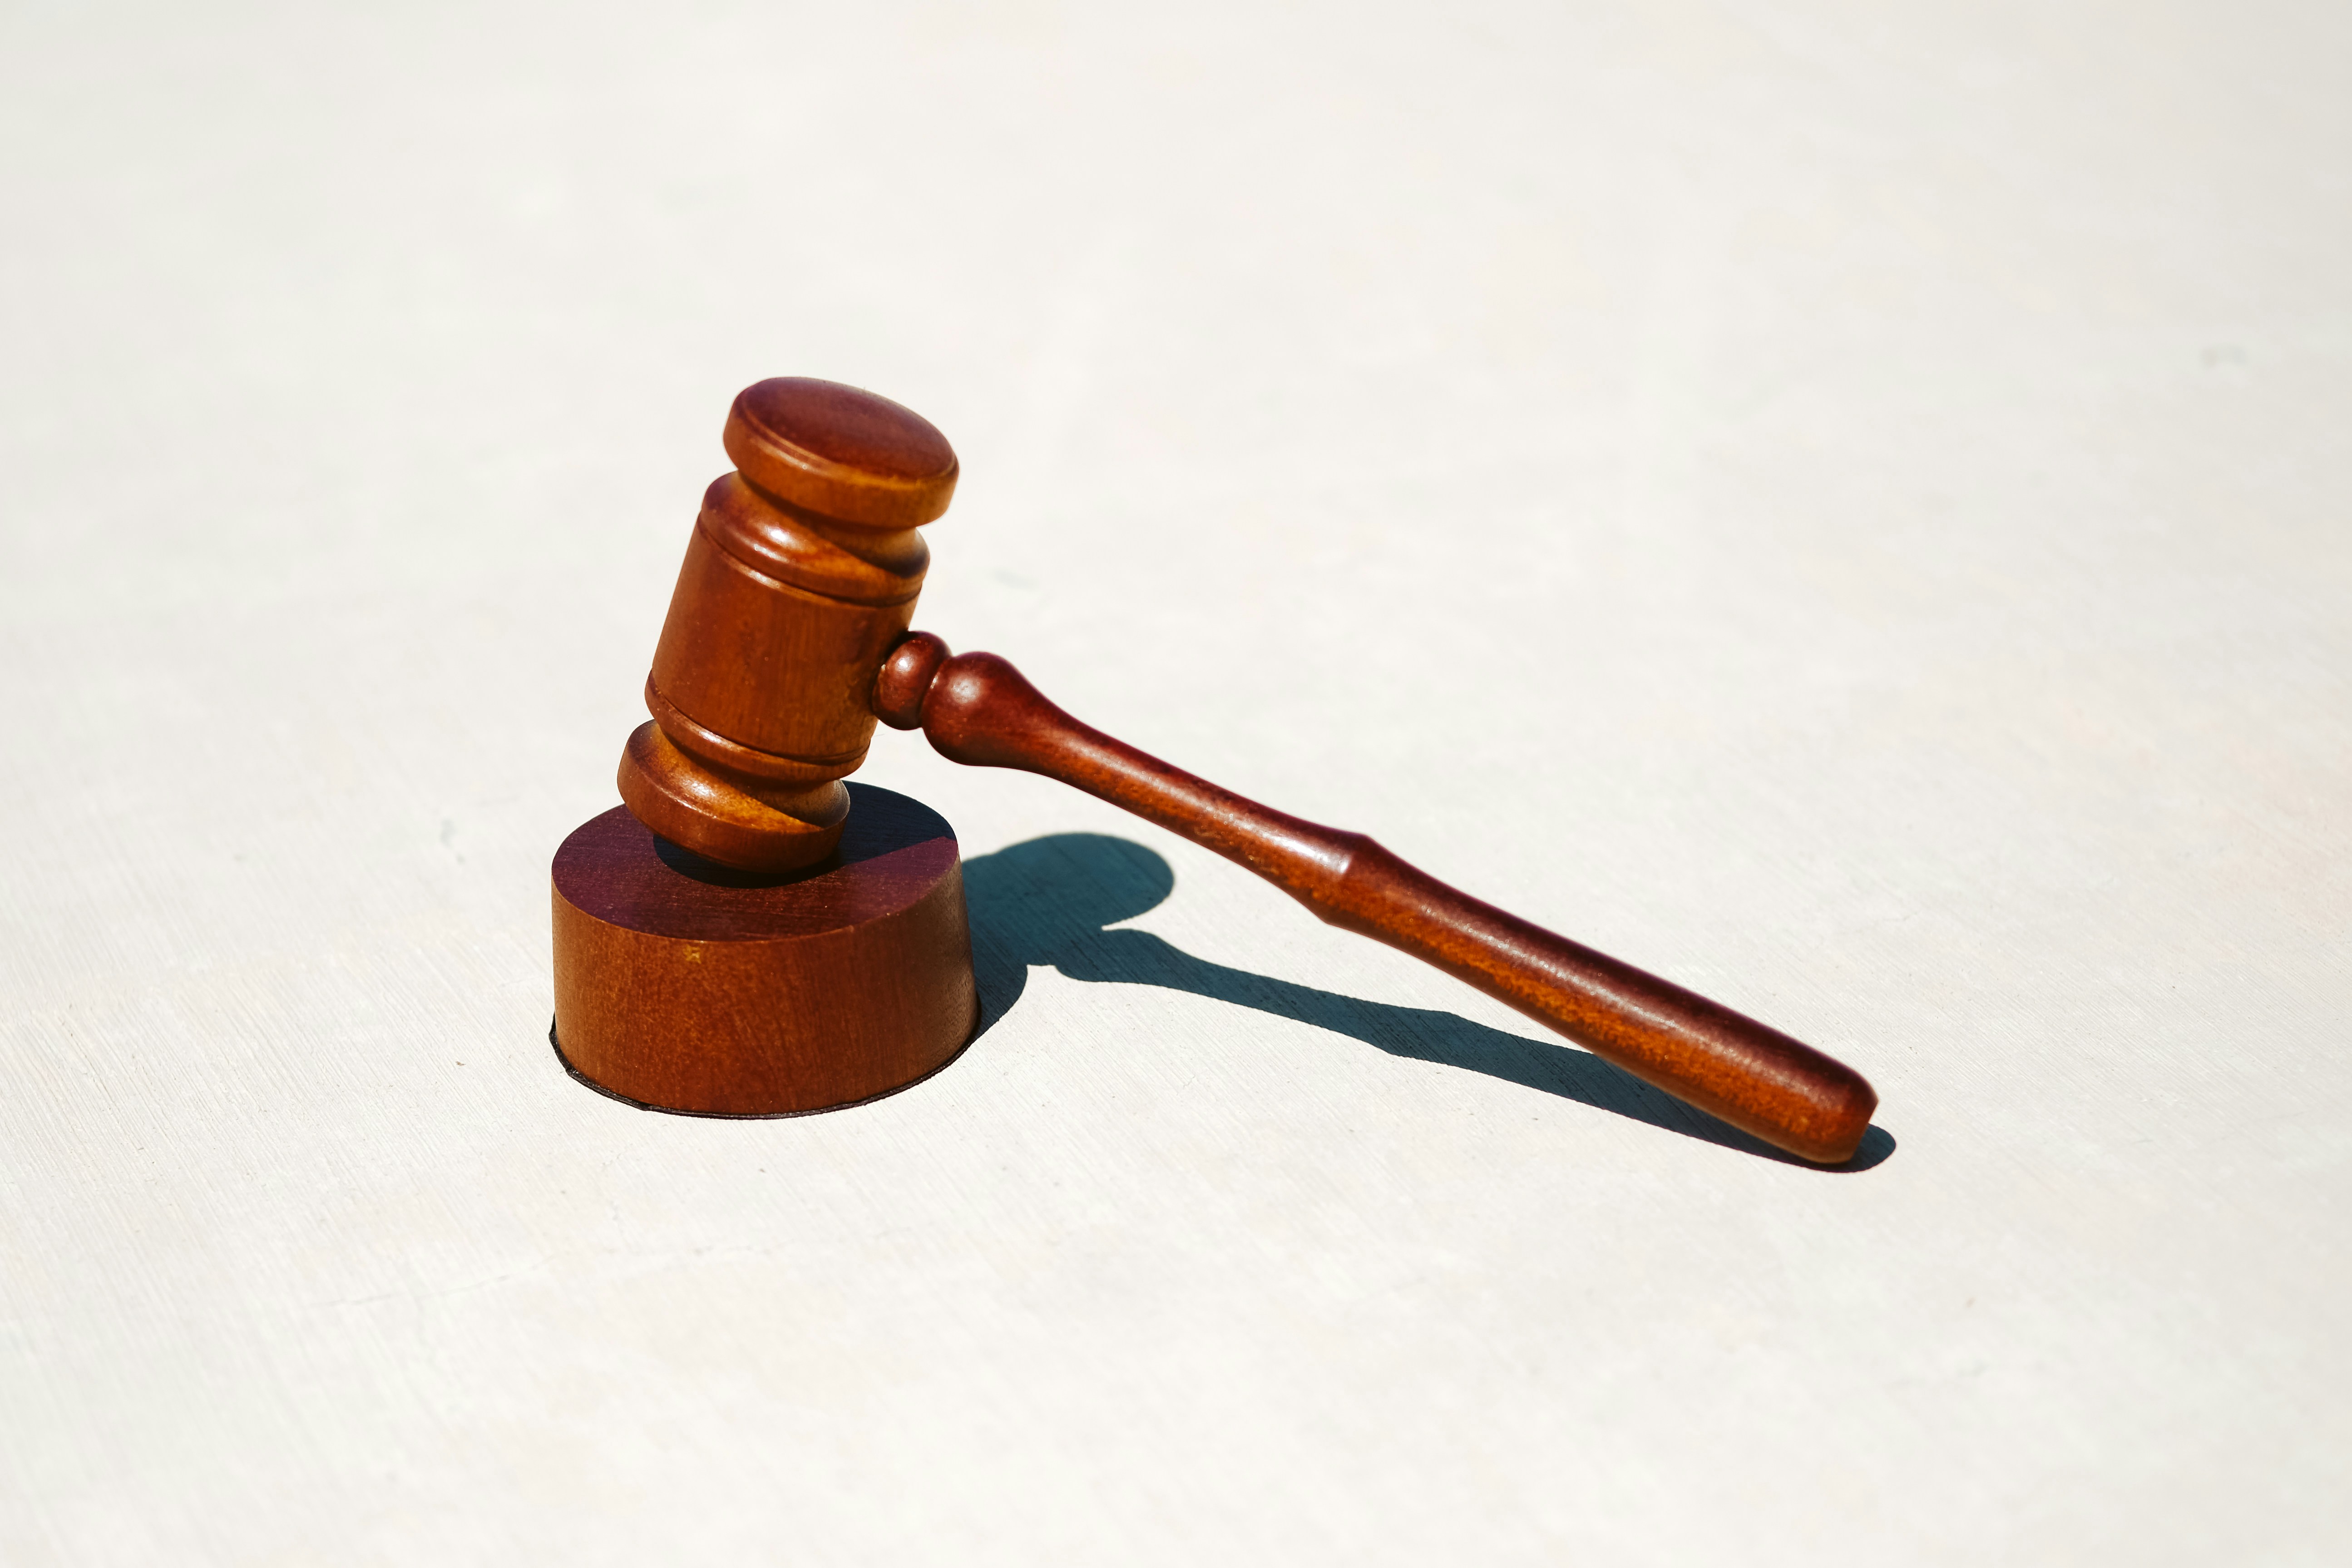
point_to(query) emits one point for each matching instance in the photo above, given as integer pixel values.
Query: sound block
(684, 985)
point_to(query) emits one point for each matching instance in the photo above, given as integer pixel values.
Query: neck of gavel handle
(979, 709)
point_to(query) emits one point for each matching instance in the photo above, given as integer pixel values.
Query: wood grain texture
(977, 709)
(802, 571)
(691, 986)
(842, 452)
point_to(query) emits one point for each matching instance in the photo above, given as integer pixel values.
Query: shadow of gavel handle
(975, 708)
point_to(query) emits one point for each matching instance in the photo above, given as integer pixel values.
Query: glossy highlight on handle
(977, 709)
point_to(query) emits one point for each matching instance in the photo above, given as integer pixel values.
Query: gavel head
(802, 574)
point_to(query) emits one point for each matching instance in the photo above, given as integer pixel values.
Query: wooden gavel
(788, 637)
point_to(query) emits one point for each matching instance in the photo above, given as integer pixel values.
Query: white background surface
(1843, 505)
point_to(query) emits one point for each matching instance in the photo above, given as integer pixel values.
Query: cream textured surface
(1843, 505)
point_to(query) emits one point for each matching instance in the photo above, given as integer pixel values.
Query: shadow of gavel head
(800, 575)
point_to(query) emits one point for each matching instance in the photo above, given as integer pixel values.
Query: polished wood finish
(842, 452)
(688, 986)
(977, 709)
(905, 679)
(786, 641)
(800, 574)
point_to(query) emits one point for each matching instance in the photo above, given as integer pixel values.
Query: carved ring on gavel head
(749, 936)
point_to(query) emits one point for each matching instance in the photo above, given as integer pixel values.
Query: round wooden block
(687, 986)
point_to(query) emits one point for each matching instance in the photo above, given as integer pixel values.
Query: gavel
(788, 637)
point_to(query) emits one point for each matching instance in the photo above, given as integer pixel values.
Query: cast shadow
(1046, 902)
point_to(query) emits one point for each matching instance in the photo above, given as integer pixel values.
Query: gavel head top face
(802, 573)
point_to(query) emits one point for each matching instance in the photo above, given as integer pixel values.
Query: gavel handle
(976, 708)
